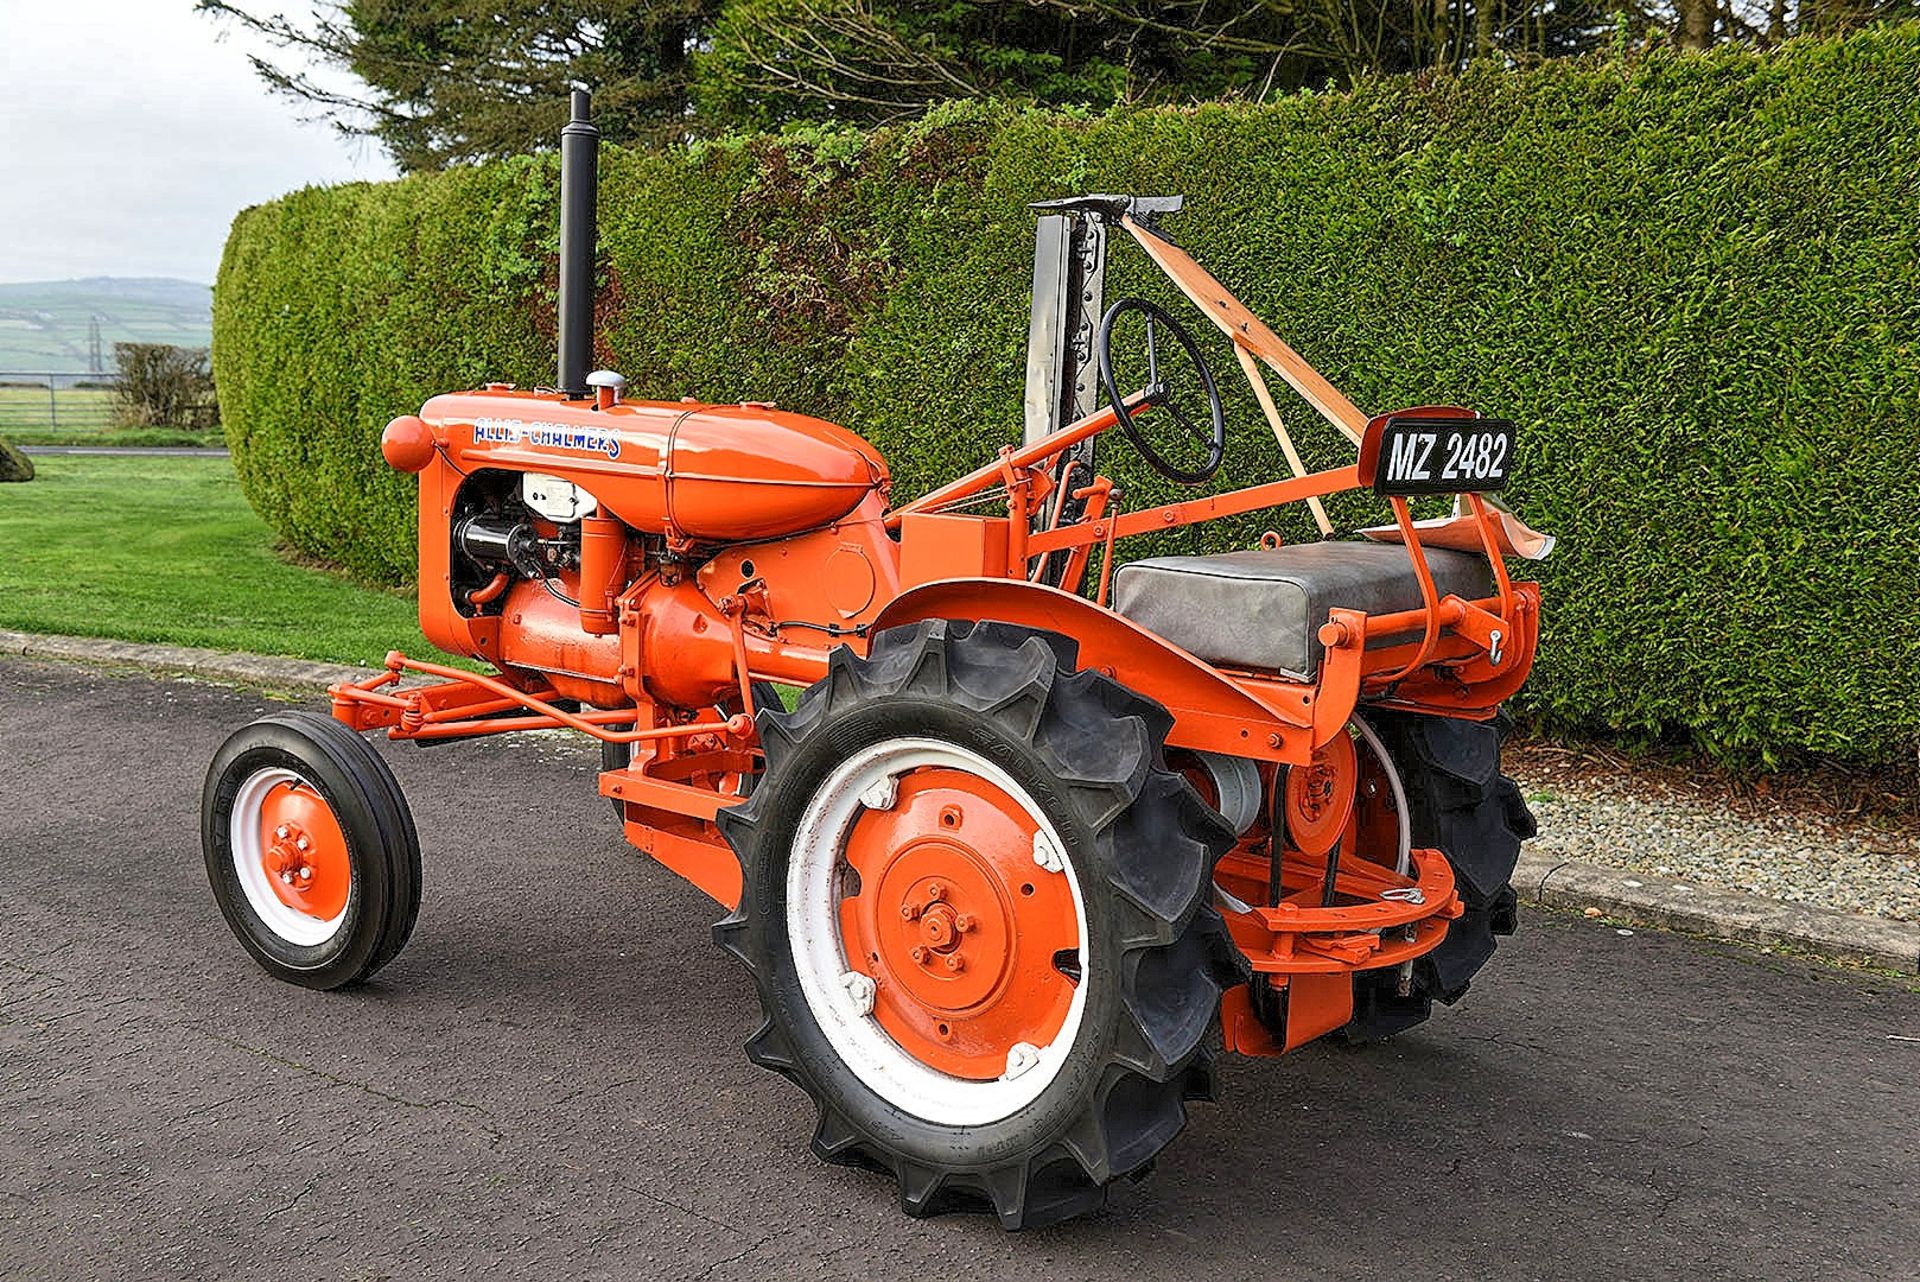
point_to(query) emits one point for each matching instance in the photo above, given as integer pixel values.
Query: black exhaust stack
(579, 192)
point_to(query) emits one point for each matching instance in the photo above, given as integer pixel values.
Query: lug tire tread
(1155, 845)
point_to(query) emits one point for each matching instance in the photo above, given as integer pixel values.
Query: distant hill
(43, 324)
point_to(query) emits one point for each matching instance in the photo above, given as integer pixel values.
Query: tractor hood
(707, 472)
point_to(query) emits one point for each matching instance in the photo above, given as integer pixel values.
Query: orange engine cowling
(711, 473)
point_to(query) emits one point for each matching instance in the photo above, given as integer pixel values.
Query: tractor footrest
(637, 789)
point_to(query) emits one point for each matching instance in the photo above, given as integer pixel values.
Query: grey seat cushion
(1263, 609)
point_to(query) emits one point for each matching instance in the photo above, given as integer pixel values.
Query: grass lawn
(110, 436)
(28, 401)
(82, 416)
(28, 409)
(166, 549)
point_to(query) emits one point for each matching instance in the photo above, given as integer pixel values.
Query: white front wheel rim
(244, 842)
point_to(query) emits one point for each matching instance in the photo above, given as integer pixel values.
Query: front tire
(310, 850)
(977, 913)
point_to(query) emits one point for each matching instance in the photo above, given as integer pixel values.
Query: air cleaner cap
(407, 444)
(607, 378)
(607, 386)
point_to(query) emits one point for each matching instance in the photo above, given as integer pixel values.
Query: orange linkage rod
(417, 721)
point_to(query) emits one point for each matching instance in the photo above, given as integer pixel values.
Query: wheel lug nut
(956, 963)
(281, 832)
(964, 923)
(910, 912)
(936, 891)
(306, 874)
(918, 953)
(301, 844)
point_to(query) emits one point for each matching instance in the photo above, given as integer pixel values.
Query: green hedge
(1694, 280)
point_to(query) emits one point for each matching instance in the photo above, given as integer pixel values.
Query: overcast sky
(132, 131)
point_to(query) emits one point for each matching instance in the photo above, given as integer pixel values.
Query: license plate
(1443, 456)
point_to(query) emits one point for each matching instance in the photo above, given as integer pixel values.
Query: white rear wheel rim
(814, 879)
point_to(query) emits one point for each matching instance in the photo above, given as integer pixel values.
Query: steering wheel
(1194, 453)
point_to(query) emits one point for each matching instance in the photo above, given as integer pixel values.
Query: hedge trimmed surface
(1693, 280)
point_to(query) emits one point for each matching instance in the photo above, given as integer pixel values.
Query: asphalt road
(548, 1082)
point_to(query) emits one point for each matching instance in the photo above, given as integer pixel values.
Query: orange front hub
(973, 945)
(304, 852)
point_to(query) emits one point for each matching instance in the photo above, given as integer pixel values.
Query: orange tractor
(1045, 827)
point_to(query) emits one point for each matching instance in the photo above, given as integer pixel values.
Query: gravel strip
(1782, 855)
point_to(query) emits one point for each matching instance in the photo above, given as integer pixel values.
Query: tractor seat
(1262, 610)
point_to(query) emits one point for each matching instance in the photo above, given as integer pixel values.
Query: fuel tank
(710, 473)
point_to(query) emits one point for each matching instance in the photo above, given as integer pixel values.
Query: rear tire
(1462, 805)
(310, 850)
(995, 717)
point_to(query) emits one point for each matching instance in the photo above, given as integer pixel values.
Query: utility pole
(94, 365)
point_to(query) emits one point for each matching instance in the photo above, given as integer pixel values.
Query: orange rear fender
(1211, 711)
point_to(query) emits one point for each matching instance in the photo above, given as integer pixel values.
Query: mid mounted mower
(1034, 842)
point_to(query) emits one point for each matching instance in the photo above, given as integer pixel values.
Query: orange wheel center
(304, 852)
(957, 924)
